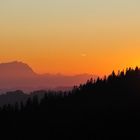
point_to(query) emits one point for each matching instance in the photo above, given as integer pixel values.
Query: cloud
(83, 54)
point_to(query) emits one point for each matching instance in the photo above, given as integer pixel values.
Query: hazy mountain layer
(17, 75)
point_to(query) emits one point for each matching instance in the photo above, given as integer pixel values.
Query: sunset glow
(71, 36)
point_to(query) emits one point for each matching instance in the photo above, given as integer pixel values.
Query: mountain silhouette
(103, 109)
(20, 76)
(15, 69)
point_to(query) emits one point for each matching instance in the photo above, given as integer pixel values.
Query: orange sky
(71, 37)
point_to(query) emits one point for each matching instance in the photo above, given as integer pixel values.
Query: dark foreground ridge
(105, 109)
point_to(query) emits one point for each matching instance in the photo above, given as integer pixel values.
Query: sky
(71, 36)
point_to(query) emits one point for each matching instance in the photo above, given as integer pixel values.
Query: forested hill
(107, 108)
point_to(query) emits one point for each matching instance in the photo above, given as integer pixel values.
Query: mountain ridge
(17, 75)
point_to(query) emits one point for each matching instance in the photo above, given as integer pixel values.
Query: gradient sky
(71, 36)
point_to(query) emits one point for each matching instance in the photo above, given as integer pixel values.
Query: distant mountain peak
(19, 63)
(17, 75)
(12, 62)
(15, 68)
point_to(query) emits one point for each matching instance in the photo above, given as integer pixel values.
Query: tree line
(105, 108)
